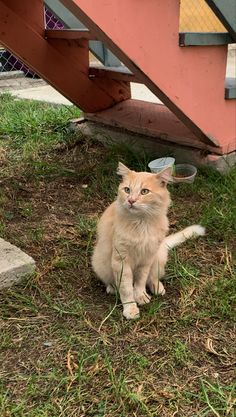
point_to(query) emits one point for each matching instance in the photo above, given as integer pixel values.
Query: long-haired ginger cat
(132, 242)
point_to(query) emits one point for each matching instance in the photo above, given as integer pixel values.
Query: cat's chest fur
(139, 240)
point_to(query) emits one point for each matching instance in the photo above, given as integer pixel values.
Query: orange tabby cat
(132, 247)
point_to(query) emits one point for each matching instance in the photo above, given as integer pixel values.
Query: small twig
(27, 318)
(107, 317)
(68, 363)
(210, 348)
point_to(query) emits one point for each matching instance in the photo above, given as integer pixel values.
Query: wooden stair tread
(115, 73)
(121, 69)
(69, 34)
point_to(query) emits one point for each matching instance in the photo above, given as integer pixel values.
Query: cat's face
(143, 192)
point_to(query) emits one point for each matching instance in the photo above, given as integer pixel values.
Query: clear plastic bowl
(159, 164)
(184, 173)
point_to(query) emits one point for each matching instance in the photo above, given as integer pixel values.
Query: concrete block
(14, 85)
(11, 74)
(222, 163)
(14, 264)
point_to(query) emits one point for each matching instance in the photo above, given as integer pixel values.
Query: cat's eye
(127, 190)
(145, 191)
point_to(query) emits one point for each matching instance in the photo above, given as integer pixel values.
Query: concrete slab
(141, 92)
(231, 62)
(14, 264)
(41, 93)
(11, 74)
(14, 84)
(50, 95)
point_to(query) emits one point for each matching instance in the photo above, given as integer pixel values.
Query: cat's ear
(165, 176)
(122, 170)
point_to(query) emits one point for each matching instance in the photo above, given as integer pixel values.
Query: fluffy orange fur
(131, 249)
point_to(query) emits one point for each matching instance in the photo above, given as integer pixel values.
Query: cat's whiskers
(150, 210)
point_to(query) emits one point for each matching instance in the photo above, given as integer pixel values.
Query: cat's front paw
(110, 289)
(131, 311)
(141, 297)
(157, 287)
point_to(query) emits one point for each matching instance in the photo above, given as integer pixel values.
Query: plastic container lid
(161, 163)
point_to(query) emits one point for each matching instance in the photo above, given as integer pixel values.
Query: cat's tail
(177, 238)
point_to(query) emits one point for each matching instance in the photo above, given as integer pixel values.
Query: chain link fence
(197, 16)
(8, 62)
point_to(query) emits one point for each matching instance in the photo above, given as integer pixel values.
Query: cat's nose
(131, 200)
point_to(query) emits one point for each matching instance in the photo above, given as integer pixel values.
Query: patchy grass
(66, 350)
